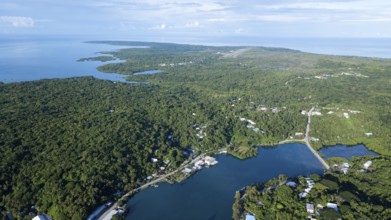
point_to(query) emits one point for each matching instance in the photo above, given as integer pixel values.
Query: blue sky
(170, 20)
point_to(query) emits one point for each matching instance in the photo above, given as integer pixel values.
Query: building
(186, 170)
(210, 161)
(332, 206)
(299, 133)
(250, 217)
(346, 115)
(303, 194)
(368, 134)
(367, 164)
(310, 208)
(344, 170)
(154, 160)
(291, 184)
(199, 163)
(251, 122)
(316, 113)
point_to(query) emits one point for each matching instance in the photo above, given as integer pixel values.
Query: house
(186, 170)
(332, 206)
(299, 133)
(291, 184)
(346, 115)
(242, 119)
(316, 113)
(367, 164)
(250, 217)
(41, 217)
(210, 161)
(262, 108)
(368, 134)
(199, 163)
(303, 194)
(154, 160)
(310, 208)
(314, 139)
(345, 165)
(310, 182)
(251, 122)
(344, 170)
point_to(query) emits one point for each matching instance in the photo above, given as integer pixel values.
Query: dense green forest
(359, 194)
(67, 145)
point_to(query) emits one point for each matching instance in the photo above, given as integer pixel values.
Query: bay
(27, 60)
(209, 194)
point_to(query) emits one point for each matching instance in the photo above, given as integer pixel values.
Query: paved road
(307, 142)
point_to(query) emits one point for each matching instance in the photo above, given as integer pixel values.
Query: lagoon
(209, 193)
(346, 151)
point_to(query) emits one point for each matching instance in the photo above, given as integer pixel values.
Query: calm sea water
(26, 60)
(346, 151)
(209, 193)
(34, 59)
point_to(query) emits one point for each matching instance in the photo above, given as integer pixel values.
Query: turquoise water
(209, 193)
(346, 151)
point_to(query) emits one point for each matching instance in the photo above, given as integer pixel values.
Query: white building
(41, 217)
(291, 184)
(310, 208)
(210, 161)
(186, 170)
(367, 164)
(316, 113)
(346, 115)
(251, 122)
(332, 206)
(250, 217)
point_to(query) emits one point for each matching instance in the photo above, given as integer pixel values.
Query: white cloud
(159, 27)
(194, 24)
(239, 31)
(17, 21)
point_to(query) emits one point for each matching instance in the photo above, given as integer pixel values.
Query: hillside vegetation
(68, 145)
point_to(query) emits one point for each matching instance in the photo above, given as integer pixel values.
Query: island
(70, 145)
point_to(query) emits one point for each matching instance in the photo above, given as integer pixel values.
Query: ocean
(25, 59)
